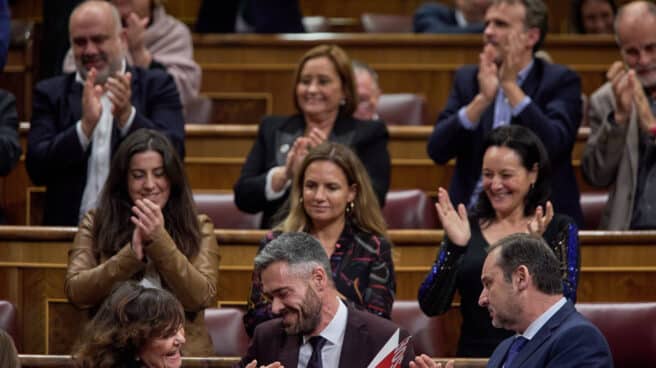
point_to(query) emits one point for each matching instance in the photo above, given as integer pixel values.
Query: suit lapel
(289, 350)
(543, 334)
(343, 132)
(285, 137)
(355, 338)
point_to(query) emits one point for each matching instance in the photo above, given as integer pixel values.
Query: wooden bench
(616, 267)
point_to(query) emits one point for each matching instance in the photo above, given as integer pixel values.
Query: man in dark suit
(511, 86)
(523, 292)
(315, 329)
(79, 119)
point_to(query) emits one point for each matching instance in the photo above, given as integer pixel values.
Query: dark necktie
(317, 343)
(515, 348)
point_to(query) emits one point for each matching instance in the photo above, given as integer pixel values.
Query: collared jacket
(90, 276)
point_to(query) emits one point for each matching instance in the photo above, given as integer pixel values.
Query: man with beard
(80, 118)
(523, 292)
(511, 86)
(621, 152)
(315, 328)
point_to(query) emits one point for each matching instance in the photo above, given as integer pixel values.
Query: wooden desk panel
(432, 81)
(616, 267)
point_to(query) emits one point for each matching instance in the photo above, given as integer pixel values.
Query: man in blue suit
(511, 86)
(523, 292)
(79, 119)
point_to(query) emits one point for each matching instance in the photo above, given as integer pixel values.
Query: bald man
(621, 151)
(79, 119)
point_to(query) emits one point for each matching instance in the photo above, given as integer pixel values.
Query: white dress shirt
(334, 334)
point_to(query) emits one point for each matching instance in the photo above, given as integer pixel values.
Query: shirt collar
(78, 77)
(460, 19)
(536, 325)
(335, 330)
(521, 76)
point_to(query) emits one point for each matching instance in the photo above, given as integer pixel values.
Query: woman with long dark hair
(514, 199)
(145, 228)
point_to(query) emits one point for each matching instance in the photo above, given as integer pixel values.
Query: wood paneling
(616, 267)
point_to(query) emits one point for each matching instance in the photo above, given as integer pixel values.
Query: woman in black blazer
(325, 98)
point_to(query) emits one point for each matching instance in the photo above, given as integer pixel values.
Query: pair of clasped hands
(492, 75)
(147, 219)
(300, 149)
(628, 92)
(119, 93)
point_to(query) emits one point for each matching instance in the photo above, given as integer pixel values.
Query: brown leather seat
(8, 322)
(629, 328)
(221, 208)
(593, 204)
(402, 109)
(385, 23)
(409, 209)
(427, 332)
(226, 328)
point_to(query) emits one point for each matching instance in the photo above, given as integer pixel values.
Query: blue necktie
(515, 348)
(317, 343)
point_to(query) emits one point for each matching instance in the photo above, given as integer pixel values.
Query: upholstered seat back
(226, 328)
(385, 23)
(427, 332)
(629, 328)
(593, 205)
(409, 209)
(402, 108)
(221, 208)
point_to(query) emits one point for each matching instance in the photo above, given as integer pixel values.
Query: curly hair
(366, 213)
(131, 316)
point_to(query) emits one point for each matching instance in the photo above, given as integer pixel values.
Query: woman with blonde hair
(332, 199)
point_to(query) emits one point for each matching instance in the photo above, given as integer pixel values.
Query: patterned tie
(317, 343)
(515, 348)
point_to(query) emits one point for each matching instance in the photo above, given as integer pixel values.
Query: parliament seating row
(404, 209)
(629, 328)
(615, 267)
(187, 10)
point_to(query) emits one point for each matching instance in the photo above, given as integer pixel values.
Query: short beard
(309, 314)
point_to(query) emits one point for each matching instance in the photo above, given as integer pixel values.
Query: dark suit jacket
(554, 115)
(54, 155)
(365, 335)
(276, 136)
(566, 340)
(440, 18)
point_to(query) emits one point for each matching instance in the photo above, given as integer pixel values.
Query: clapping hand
(424, 361)
(296, 155)
(488, 79)
(119, 93)
(541, 220)
(91, 106)
(253, 364)
(147, 219)
(455, 223)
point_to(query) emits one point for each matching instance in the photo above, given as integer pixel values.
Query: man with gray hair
(366, 82)
(511, 86)
(79, 119)
(315, 328)
(621, 152)
(523, 292)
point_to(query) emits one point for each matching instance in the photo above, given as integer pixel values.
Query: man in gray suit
(621, 153)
